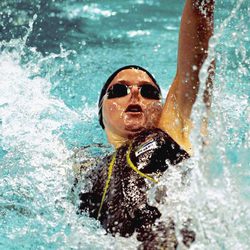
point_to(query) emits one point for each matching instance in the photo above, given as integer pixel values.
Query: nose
(134, 90)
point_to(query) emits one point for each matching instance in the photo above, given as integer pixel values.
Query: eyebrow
(128, 82)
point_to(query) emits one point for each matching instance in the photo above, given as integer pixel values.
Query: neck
(116, 140)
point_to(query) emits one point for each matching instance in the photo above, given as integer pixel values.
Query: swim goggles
(146, 90)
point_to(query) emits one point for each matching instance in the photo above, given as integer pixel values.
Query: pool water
(54, 58)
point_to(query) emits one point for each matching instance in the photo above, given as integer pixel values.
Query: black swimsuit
(125, 208)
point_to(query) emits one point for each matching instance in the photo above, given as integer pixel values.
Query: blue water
(54, 58)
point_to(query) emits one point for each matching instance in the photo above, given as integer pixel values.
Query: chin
(132, 131)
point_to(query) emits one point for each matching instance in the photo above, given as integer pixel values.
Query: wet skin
(128, 115)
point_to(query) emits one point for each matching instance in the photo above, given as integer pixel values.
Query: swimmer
(147, 137)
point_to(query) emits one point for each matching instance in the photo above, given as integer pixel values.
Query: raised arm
(195, 30)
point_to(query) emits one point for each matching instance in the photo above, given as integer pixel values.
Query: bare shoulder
(173, 120)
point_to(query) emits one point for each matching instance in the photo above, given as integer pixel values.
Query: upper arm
(195, 31)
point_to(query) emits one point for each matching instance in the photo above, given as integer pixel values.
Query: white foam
(134, 33)
(94, 11)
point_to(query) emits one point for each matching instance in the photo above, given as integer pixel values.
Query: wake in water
(36, 170)
(36, 173)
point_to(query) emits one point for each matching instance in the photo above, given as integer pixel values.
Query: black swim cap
(111, 77)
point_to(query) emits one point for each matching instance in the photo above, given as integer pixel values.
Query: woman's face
(127, 115)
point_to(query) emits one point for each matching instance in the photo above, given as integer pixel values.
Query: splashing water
(36, 173)
(41, 121)
(220, 179)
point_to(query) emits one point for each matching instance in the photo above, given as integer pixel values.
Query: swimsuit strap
(111, 165)
(131, 164)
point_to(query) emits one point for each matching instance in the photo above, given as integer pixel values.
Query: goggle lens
(117, 90)
(150, 92)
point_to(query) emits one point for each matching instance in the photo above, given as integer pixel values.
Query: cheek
(112, 110)
(153, 111)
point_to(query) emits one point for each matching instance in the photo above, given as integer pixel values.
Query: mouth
(133, 108)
